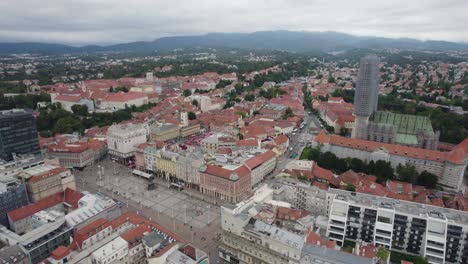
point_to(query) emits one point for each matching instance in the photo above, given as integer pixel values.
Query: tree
(249, 97)
(68, 125)
(356, 165)
(350, 187)
(187, 93)
(242, 114)
(192, 116)
(288, 113)
(344, 131)
(81, 110)
(407, 173)
(194, 102)
(427, 180)
(383, 254)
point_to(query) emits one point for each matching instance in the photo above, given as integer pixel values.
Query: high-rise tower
(366, 94)
(18, 134)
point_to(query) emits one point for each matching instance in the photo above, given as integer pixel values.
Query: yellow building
(166, 163)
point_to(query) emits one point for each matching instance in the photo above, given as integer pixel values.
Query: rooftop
(402, 206)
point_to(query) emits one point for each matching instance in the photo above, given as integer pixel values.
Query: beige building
(190, 130)
(121, 100)
(164, 132)
(46, 180)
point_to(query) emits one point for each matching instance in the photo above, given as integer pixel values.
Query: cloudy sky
(80, 22)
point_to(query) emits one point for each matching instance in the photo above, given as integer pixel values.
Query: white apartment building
(114, 252)
(439, 234)
(121, 100)
(122, 139)
(261, 165)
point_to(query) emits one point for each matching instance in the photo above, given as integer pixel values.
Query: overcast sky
(80, 22)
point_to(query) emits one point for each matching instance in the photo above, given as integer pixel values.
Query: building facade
(122, 139)
(450, 166)
(439, 234)
(12, 195)
(231, 184)
(46, 180)
(18, 134)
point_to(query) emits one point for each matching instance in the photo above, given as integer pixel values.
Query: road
(311, 121)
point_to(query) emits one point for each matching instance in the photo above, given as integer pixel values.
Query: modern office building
(12, 195)
(18, 134)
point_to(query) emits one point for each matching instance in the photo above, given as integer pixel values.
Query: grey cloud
(82, 22)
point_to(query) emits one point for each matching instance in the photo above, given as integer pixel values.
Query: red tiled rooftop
(133, 236)
(60, 252)
(123, 97)
(131, 217)
(221, 172)
(71, 197)
(77, 147)
(29, 210)
(456, 156)
(47, 174)
(68, 98)
(100, 222)
(291, 214)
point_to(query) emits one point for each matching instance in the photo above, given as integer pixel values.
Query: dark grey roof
(331, 255)
(12, 254)
(153, 239)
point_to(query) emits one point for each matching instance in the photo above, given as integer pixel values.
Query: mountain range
(298, 41)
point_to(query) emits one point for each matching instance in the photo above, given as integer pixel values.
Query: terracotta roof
(247, 143)
(133, 236)
(368, 251)
(314, 239)
(291, 214)
(47, 174)
(123, 97)
(132, 218)
(256, 161)
(77, 147)
(60, 252)
(68, 98)
(456, 156)
(399, 187)
(324, 174)
(91, 227)
(280, 139)
(30, 209)
(221, 172)
(71, 197)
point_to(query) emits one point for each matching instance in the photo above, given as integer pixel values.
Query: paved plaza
(163, 200)
(187, 213)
